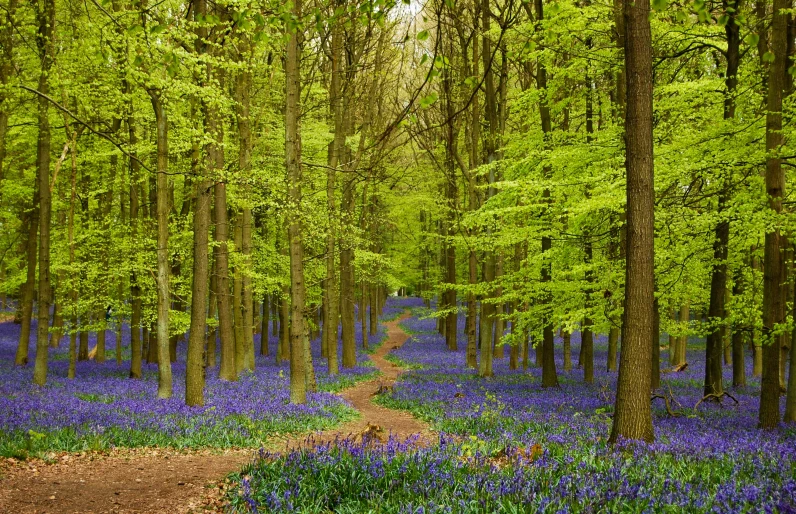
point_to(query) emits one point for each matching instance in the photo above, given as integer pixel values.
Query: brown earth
(159, 480)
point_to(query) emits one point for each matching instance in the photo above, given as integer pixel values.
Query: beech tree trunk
(164, 268)
(26, 301)
(237, 299)
(632, 413)
(45, 17)
(298, 380)
(773, 267)
(197, 360)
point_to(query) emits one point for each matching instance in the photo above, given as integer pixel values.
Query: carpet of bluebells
(508, 445)
(103, 408)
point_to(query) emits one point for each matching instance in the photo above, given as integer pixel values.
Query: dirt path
(398, 423)
(169, 481)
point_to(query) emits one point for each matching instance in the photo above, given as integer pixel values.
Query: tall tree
(632, 413)
(298, 382)
(773, 267)
(45, 43)
(164, 267)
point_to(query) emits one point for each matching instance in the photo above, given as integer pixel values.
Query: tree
(298, 386)
(632, 413)
(773, 290)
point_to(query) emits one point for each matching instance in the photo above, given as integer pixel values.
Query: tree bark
(298, 380)
(45, 17)
(331, 301)
(632, 413)
(21, 357)
(237, 299)
(549, 375)
(773, 268)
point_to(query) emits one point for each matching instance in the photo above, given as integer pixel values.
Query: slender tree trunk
(714, 348)
(164, 268)
(347, 280)
(298, 384)
(549, 375)
(284, 325)
(197, 360)
(46, 45)
(363, 315)
(655, 369)
(275, 314)
(21, 358)
(331, 301)
(135, 289)
(243, 93)
(237, 299)
(773, 268)
(738, 357)
(790, 399)
(586, 358)
(374, 311)
(487, 320)
(264, 327)
(632, 414)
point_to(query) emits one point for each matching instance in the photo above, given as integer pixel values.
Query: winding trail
(161, 480)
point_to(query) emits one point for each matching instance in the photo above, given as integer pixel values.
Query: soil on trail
(398, 423)
(159, 480)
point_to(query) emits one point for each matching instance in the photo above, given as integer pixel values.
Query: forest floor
(155, 480)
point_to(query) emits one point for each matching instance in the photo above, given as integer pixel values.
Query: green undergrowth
(346, 381)
(236, 431)
(390, 357)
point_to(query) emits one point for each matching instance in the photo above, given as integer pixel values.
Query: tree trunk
(567, 340)
(773, 267)
(655, 369)
(363, 315)
(135, 289)
(549, 375)
(264, 327)
(586, 358)
(331, 300)
(237, 299)
(632, 414)
(197, 360)
(284, 325)
(46, 46)
(347, 281)
(374, 312)
(298, 384)
(21, 358)
(164, 267)
(738, 357)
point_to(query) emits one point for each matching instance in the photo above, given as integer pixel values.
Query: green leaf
(660, 5)
(724, 19)
(422, 35)
(423, 59)
(157, 29)
(752, 39)
(768, 57)
(132, 30)
(428, 100)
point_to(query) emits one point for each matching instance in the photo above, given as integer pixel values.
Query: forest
(397, 256)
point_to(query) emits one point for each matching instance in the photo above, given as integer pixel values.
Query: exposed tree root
(717, 397)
